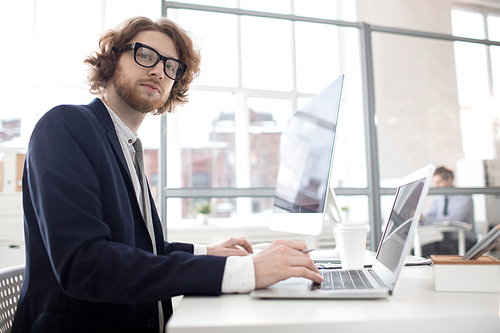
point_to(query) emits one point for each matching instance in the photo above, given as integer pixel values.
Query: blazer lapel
(102, 114)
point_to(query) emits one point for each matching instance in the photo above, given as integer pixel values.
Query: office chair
(11, 280)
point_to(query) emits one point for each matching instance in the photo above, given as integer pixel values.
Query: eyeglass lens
(148, 58)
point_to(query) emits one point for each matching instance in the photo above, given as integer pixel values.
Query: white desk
(414, 307)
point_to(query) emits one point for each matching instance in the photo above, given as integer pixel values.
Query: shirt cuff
(199, 250)
(239, 275)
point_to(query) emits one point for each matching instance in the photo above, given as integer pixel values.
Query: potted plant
(344, 210)
(202, 211)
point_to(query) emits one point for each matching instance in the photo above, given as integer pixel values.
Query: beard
(130, 94)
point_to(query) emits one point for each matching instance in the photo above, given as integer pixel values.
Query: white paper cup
(351, 243)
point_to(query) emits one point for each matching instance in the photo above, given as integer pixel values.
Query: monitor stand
(334, 216)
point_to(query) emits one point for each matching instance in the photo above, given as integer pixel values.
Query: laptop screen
(396, 232)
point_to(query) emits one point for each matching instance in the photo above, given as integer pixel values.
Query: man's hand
(230, 247)
(282, 260)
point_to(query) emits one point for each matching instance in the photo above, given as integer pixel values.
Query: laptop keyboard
(338, 279)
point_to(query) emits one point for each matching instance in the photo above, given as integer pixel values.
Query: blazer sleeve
(89, 227)
(171, 247)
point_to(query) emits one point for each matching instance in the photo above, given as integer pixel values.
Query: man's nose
(157, 70)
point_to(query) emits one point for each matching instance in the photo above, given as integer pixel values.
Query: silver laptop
(379, 281)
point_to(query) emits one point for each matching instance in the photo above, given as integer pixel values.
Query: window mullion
(242, 139)
(488, 54)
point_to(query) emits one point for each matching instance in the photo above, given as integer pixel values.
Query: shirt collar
(122, 130)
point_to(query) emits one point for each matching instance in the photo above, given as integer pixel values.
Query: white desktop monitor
(303, 195)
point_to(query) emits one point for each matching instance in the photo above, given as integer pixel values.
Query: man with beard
(96, 257)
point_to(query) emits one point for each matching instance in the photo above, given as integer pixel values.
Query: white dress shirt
(239, 272)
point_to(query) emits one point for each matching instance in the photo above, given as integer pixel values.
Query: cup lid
(352, 225)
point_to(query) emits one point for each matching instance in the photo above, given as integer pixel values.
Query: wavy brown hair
(103, 62)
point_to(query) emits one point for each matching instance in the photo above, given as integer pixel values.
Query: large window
(257, 71)
(478, 80)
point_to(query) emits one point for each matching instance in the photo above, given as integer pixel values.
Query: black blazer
(89, 260)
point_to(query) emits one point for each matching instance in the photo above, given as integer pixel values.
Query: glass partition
(434, 107)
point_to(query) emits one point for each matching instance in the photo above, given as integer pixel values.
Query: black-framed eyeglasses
(148, 57)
